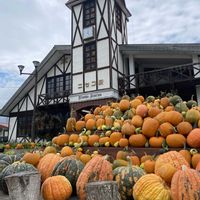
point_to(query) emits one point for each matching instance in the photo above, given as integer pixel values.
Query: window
(89, 13)
(24, 124)
(118, 14)
(90, 56)
(58, 85)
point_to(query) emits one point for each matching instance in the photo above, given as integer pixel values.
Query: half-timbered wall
(108, 58)
(61, 67)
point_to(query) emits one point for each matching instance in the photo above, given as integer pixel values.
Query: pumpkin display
(31, 158)
(185, 184)
(172, 157)
(70, 168)
(56, 188)
(97, 169)
(126, 177)
(151, 187)
(14, 168)
(47, 164)
(193, 138)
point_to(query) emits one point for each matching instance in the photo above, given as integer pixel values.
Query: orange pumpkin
(140, 97)
(73, 138)
(164, 102)
(124, 105)
(80, 125)
(62, 139)
(92, 139)
(85, 158)
(97, 169)
(193, 138)
(91, 124)
(47, 164)
(142, 110)
(175, 140)
(56, 187)
(192, 116)
(137, 140)
(156, 142)
(66, 151)
(123, 142)
(135, 102)
(153, 111)
(127, 129)
(186, 154)
(115, 137)
(97, 110)
(137, 121)
(149, 166)
(108, 121)
(103, 140)
(99, 123)
(88, 116)
(150, 127)
(31, 158)
(166, 129)
(195, 160)
(185, 184)
(184, 128)
(174, 117)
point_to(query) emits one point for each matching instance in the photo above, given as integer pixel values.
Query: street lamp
(35, 74)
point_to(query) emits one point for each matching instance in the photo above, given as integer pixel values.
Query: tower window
(118, 14)
(90, 61)
(89, 13)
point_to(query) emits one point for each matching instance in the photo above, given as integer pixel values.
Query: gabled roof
(3, 126)
(121, 3)
(184, 48)
(52, 57)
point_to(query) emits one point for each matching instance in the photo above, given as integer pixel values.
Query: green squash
(6, 160)
(175, 99)
(181, 107)
(12, 169)
(126, 177)
(70, 168)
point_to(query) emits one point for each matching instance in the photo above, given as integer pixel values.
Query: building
(99, 66)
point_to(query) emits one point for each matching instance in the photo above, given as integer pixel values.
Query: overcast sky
(30, 28)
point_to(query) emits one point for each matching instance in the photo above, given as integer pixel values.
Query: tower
(98, 28)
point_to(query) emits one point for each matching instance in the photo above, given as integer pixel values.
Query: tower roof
(121, 3)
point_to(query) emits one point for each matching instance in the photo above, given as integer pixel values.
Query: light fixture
(21, 68)
(36, 63)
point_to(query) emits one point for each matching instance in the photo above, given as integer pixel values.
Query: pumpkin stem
(138, 130)
(193, 151)
(184, 167)
(128, 158)
(106, 157)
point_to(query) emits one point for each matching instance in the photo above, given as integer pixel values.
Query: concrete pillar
(196, 59)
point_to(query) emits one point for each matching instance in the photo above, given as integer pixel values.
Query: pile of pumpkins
(165, 176)
(138, 122)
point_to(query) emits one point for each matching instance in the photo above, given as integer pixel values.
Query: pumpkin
(166, 129)
(145, 157)
(97, 110)
(91, 124)
(185, 184)
(115, 137)
(173, 117)
(73, 138)
(150, 127)
(14, 168)
(66, 151)
(124, 105)
(49, 149)
(70, 168)
(198, 166)
(99, 123)
(19, 146)
(166, 172)
(62, 139)
(122, 154)
(47, 164)
(31, 158)
(80, 125)
(156, 142)
(97, 169)
(195, 159)
(151, 187)
(6, 160)
(127, 129)
(175, 99)
(126, 177)
(149, 166)
(184, 128)
(153, 111)
(123, 142)
(193, 138)
(172, 157)
(192, 116)
(85, 158)
(164, 102)
(71, 122)
(135, 102)
(140, 97)
(92, 139)
(103, 140)
(137, 121)
(186, 154)
(169, 108)
(108, 122)
(142, 110)
(161, 117)
(88, 116)
(56, 188)
(137, 140)
(135, 160)
(175, 140)
(108, 112)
